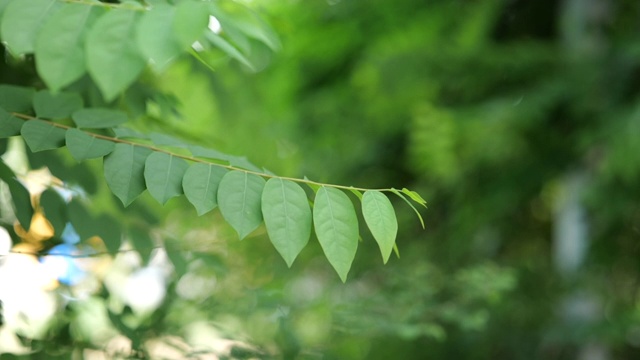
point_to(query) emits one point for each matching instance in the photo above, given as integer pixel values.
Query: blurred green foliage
(485, 108)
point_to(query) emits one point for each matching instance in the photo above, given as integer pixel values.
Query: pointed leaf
(41, 135)
(9, 124)
(19, 196)
(83, 146)
(287, 215)
(239, 197)
(112, 59)
(190, 22)
(410, 204)
(415, 196)
(163, 174)
(56, 106)
(21, 22)
(381, 219)
(336, 225)
(200, 185)
(124, 171)
(155, 38)
(226, 47)
(59, 46)
(96, 118)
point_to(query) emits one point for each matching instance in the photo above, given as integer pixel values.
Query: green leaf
(110, 231)
(336, 225)
(112, 59)
(97, 118)
(19, 195)
(166, 140)
(415, 196)
(410, 204)
(226, 47)
(175, 255)
(81, 219)
(163, 174)
(155, 39)
(16, 98)
(200, 185)
(83, 146)
(22, 21)
(200, 151)
(123, 132)
(190, 22)
(56, 106)
(239, 197)
(124, 171)
(41, 135)
(234, 15)
(381, 219)
(141, 241)
(59, 46)
(287, 215)
(9, 124)
(55, 210)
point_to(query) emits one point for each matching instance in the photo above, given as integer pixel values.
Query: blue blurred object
(69, 235)
(60, 261)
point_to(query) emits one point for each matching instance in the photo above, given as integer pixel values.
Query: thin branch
(74, 256)
(195, 159)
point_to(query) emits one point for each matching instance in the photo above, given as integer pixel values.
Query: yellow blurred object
(40, 230)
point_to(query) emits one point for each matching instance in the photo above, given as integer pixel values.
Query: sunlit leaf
(200, 185)
(336, 226)
(124, 171)
(381, 219)
(41, 135)
(21, 22)
(154, 36)
(287, 215)
(56, 106)
(415, 196)
(59, 46)
(163, 175)
(96, 118)
(239, 197)
(112, 59)
(83, 146)
(9, 124)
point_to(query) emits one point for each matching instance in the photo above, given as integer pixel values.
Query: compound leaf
(381, 219)
(163, 174)
(22, 21)
(287, 216)
(124, 171)
(83, 146)
(112, 58)
(41, 135)
(239, 197)
(56, 106)
(336, 225)
(200, 185)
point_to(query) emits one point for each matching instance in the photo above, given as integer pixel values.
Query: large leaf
(155, 37)
(287, 215)
(97, 118)
(41, 135)
(59, 46)
(381, 219)
(239, 197)
(16, 98)
(163, 174)
(200, 185)
(112, 58)
(22, 21)
(124, 171)
(190, 22)
(19, 195)
(9, 124)
(56, 106)
(83, 146)
(336, 225)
